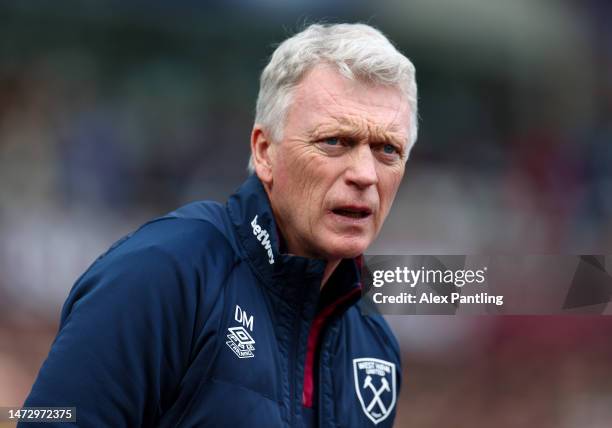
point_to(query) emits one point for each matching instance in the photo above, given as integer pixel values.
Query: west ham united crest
(375, 387)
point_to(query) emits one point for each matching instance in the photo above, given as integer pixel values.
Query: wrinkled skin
(333, 177)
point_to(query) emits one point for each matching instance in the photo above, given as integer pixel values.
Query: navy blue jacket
(197, 319)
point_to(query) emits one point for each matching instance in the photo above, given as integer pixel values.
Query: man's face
(335, 174)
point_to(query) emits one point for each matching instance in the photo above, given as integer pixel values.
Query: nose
(361, 171)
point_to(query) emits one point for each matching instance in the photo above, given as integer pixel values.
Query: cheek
(287, 175)
(389, 184)
(296, 163)
(298, 181)
(308, 175)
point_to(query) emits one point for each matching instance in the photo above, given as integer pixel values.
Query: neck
(329, 269)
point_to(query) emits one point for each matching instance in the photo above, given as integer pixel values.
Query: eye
(389, 149)
(388, 152)
(333, 146)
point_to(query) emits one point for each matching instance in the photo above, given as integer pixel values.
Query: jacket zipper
(293, 362)
(322, 349)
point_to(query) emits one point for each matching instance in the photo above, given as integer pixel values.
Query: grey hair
(358, 51)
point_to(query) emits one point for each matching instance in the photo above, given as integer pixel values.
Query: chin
(347, 248)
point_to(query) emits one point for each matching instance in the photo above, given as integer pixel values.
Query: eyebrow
(347, 129)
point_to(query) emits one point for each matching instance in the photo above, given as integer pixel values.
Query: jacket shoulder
(144, 300)
(186, 234)
(192, 252)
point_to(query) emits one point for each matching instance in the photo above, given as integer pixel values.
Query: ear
(263, 154)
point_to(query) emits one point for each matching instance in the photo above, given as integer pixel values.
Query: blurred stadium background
(115, 112)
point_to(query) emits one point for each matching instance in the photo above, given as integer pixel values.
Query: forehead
(326, 99)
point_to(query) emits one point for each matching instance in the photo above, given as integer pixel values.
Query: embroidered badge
(240, 341)
(375, 387)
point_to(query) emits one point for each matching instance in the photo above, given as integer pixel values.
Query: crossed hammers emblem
(367, 383)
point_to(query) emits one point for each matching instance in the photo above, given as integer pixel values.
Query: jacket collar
(292, 277)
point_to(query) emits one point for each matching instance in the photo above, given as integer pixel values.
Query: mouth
(353, 212)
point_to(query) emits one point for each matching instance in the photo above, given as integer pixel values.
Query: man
(248, 314)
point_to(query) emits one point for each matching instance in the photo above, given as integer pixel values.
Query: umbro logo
(240, 341)
(264, 237)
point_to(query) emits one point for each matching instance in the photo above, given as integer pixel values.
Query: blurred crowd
(548, 372)
(110, 119)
